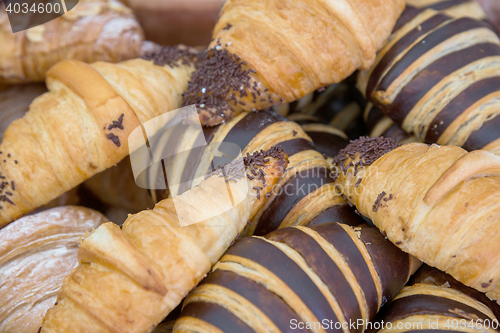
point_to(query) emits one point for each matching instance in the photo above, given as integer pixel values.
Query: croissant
(130, 278)
(304, 193)
(433, 300)
(81, 126)
(268, 52)
(36, 253)
(438, 79)
(95, 30)
(299, 279)
(438, 203)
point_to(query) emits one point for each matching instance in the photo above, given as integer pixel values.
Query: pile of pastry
(320, 166)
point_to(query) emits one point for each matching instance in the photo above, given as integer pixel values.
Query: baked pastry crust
(130, 278)
(95, 30)
(36, 253)
(290, 48)
(67, 136)
(438, 203)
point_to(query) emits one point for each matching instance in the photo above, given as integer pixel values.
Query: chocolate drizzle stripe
(374, 116)
(392, 264)
(426, 305)
(273, 259)
(193, 160)
(215, 315)
(338, 213)
(328, 143)
(269, 303)
(486, 134)
(459, 104)
(250, 125)
(409, 13)
(396, 133)
(324, 267)
(295, 189)
(294, 146)
(401, 45)
(435, 38)
(343, 243)
(428, 78)
(433, 276)
(443, 5)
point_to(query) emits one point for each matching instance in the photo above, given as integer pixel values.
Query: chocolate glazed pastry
(433, 300)
(438, 79)
(304, 192)
(331, 273)
(381, 125)
(257, 59)
(438, 203)
(455, 8)
(81, 126)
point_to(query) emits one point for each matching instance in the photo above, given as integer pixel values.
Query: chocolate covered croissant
(36, 253)
(129, 278)
(81, 126)
(299, 279)
(304, 192)
(437, 78)
(433, 300)
(94, 30)
(268, 52)
(438, 203)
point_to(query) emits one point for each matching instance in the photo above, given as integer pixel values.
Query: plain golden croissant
(270, 51)
(95, 30)
(433, 300)
(130, 278)
(36, 253)
(81, 126)
(438, 203)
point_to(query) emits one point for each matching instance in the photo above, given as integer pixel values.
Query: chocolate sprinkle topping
(379, 202)
(172, 56)
(114, 138)
(219, 84)
(369, 150)
(236, 169)
(117, 123)
(220, 77)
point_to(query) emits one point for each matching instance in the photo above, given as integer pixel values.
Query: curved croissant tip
(478, 163)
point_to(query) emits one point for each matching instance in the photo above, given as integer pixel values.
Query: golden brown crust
(294, 47)
(95, 30)
(36, 253)
(439, 204)
(66, 136)
(129, 279)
